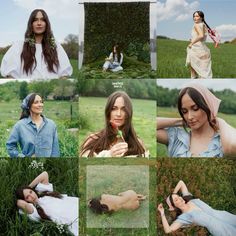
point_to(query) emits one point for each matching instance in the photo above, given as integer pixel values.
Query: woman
(39, 56)
(118, 138)
(194, 211)
(114, 61)
(198, 54)
(209, 136)
(106, 203)
(40, 202)
(36, 135)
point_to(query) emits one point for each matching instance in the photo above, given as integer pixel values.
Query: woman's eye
(184, 111)
(195, 108)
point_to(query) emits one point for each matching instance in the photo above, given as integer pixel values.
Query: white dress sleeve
(121, 59)
(34, 215)
(11, 62)
(44, 187)
(65, 68)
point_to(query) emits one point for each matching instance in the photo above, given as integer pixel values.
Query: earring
(30, 40)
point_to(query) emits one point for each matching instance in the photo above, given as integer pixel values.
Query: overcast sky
(175, 17)
(216, 84)
(14, 15)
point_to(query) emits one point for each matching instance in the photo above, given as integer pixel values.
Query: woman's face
(114, 49)
(30, 196)
(118, 113)
(197, 18)
(178, 201)
(39, 24)
(194, 116)
(37, 106)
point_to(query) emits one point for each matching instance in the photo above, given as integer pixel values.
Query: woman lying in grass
(192, 210)
(106, 203)
(40, 202)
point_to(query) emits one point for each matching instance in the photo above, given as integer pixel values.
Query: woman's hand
(119, 149)
(190, 45)
(161, 209)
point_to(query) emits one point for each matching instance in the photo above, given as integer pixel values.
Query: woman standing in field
(198, 54)
(118, 138)
(208, 135)
(192, 210)
(106, 203)
(35, 134)
(40, 202)
(39, 56)
(114, 61)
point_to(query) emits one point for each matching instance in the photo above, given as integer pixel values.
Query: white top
(61, 211)
(11, 63)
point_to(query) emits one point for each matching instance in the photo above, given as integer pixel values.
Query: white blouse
(11, 64)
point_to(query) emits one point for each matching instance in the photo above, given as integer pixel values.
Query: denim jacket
(41, 142)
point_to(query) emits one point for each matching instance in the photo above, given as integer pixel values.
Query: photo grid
(118, 117)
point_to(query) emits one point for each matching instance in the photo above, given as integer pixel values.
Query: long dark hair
(200, 102)
(26, 111)
(98, 208)
(20, 195)
(49, 52)
(117, 47)
(201, 14)
(186, 198)
(107, 136)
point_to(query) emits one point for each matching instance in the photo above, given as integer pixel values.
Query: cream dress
(199, 56)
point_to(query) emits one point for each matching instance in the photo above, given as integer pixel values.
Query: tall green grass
(63, 173)
(171, 57)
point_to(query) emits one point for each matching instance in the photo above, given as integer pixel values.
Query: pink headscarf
(211, 100)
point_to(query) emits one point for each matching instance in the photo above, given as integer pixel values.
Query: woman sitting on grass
(35, 134)
(106, 203)
(40, 202)
(118, 138)
(192, 210)
(114, 61)
(208, 135)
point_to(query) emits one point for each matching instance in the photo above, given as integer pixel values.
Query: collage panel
(101, 211)
(39, 196)
(40, 120)
(196, 119)
(195, 40)
(117, 118)
(122, 44)
(40, 41)
(196, 196)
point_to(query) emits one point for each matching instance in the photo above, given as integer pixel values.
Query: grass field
(114, 177)
(132, 69)
(211, 180)
(144, 116)
(172, 113)
(58, 111)
(171, 56)
(102, 179)
(63, 173)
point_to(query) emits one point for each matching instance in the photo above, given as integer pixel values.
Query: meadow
(171, 57)
(63, 173)
(58, 111)
(173, 113)
(91, 110)
(211, 180)
(113, 176)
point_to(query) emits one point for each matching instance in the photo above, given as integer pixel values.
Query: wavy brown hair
(28, 59)
(104, 139)
(200, 102)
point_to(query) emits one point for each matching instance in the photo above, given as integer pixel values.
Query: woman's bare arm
(167, 228)
(162, 123)
(25, 206)
(200, 32)
(181, 186)
(42, 178)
